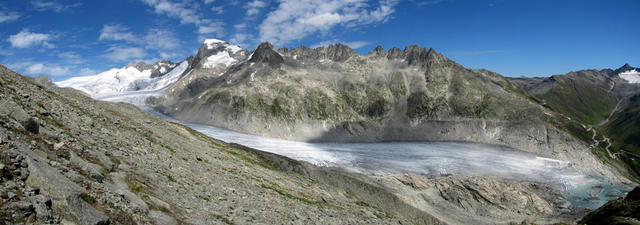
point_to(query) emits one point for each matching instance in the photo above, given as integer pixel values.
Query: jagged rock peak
(394, 53)
(415, 54)
(378, 51)
(626, 67)
(265, 53)
(339, 52)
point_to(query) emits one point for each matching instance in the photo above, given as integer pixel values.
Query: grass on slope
(624, 131)
(580, 100)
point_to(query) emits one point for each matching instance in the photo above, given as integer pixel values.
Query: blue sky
(64, 38)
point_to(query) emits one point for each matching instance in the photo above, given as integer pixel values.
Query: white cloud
(5, 52)
(241, 26)
(161, 39)
(209, 1)
(296, 19)
(241, 39)
(68, 55)
(8, 16)
(26, 39)
(87, 72)
(164, 41)
(42, 5)
(175, 10)
(49, 69)
(119, 53)
(218, 9)
(117, 32)
(212, 28)
(425, 3)
(253, 8)
(187, 12)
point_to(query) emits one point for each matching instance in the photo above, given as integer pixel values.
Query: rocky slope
(335, 94)
(67, 158)
(603, 101)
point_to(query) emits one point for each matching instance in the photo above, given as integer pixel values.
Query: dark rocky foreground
(625, 210)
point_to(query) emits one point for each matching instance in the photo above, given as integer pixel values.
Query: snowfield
(123, 80)
(631, 76)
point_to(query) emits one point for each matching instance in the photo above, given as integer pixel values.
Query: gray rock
(57, 146)
(13, 110)
(10, 195)
(22, 205)
(65, 195)
(94, 171)
(265, 53)
(161, 218)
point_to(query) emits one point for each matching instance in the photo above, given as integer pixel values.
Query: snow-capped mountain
(213, 55)
(133, 77)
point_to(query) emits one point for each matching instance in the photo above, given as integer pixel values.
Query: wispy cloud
(55, 6)
(429, 2)
(187, 13)
(122, 53)
(470, 53)
(163, 41)
(253, 7)
(297, 19)
(35, 68)
(26, 39)
(117, 32)
(54, 70)
(218, 9)
(86, 72)
(6, 16)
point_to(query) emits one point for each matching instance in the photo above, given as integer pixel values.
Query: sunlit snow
(122, 80)
(222, 58)
(631, 76)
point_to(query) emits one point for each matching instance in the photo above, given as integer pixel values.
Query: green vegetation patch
(580, 100)
(89, 199)
(420, 105)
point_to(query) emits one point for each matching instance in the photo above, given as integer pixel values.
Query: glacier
(631, 76)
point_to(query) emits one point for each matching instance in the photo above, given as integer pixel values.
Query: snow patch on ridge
(631, 76)
(212, 43)
(222, 57)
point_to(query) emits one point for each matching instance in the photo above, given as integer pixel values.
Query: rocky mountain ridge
(335, 94)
